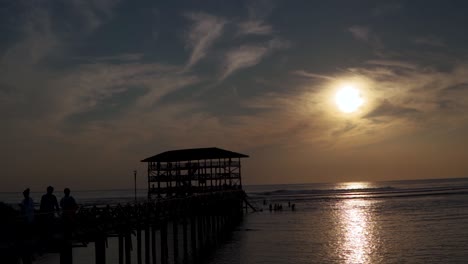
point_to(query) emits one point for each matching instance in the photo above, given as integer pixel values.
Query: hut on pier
(191, 171)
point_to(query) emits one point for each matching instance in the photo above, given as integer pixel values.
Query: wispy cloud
(202, 34)
(429, 41)
(312, 75)
(387, 109)
(248, 55)
(365, 34)
(93, 13)
(254, 27)
(393, 63)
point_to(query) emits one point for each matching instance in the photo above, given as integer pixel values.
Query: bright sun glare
(348, 99)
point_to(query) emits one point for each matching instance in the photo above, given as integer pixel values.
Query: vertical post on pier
(193, 238)
(164, 248)
(200, 232)
(66, 253)
(153, 244)
(184, 234)
(100, 248)
(121, 249)
(147, 244)
(175, 235)
(128, 248)
(138, 238)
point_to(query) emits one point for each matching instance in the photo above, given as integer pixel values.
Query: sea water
(422, 221)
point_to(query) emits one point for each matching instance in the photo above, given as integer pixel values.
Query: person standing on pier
(27, 207)
(69, 208)
(49, 205)
(68, 205)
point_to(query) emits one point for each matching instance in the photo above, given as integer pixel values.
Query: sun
(348, 99)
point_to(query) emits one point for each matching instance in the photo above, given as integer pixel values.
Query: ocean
(420, 221)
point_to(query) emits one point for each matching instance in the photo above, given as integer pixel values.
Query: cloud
(254, 27)
(393, 63)
(248, 55)
(93, 13)
(312, 75)
(387, 109)
(206, 29)
(365, 34)
(429, 41)
(360, 32)
(37, 39)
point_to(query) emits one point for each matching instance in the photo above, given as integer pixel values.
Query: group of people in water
(279, 207)
(49, 206)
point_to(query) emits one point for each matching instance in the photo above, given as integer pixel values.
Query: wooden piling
(121, 249)
(147, 244)
(153, 244)
(175, 235)
(193, 238)
(185, 242)
(200, 232)
(164, 247)
(138, 238)
(128, 248)
(100, 250)
(66, 253)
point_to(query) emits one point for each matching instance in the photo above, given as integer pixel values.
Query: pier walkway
(195, 199)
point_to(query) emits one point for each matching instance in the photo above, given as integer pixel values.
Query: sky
(90, 88)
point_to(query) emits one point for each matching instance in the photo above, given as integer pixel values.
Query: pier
(195, 199)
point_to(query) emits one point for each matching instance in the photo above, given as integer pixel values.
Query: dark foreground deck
(198, 222)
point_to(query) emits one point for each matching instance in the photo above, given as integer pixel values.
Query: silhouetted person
(68, 204)
(27, 211)
(49, 206)
(27, 207)
(69, 208)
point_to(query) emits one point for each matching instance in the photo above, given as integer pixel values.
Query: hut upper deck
(190, 171)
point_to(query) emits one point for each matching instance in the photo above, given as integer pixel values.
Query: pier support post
(175, 235)
(121, 249)
(200, 233)
(153, 244)
(184, 235)
(128, 248)
(138, 238)
(147, 244)
(164, 248)
(66, 253)
(100, 248)
(193, 238)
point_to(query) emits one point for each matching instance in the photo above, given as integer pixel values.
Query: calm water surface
(388, 222)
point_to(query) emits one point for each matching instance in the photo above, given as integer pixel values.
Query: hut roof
(194, 154)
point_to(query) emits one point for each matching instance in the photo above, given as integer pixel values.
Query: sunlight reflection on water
(357, 229)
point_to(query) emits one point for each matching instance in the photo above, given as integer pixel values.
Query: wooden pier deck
(198, 192)
(198, 222)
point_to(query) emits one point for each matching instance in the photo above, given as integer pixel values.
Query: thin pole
(134, 176)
